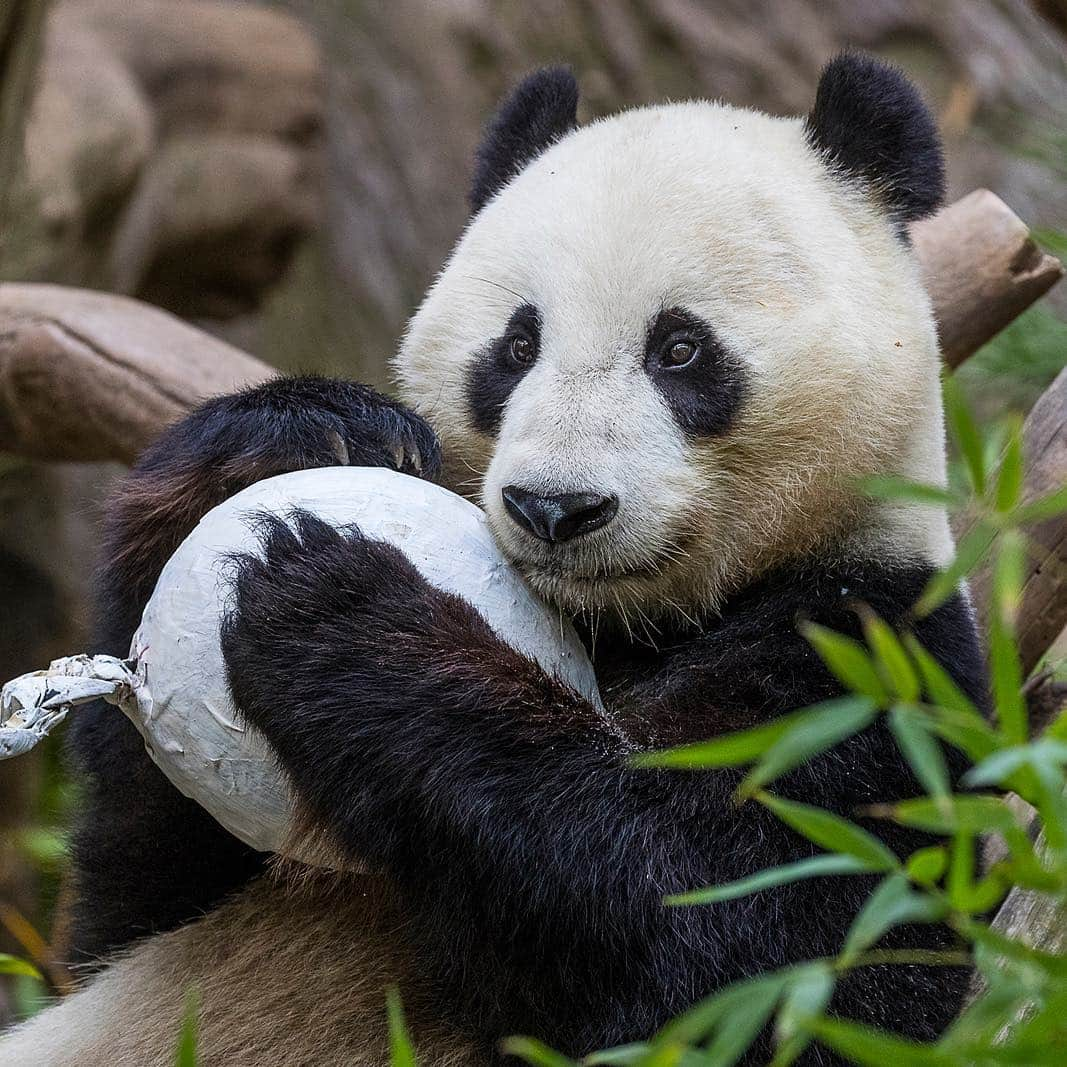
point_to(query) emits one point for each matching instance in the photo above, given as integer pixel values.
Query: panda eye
(521, 350)
(679, 352)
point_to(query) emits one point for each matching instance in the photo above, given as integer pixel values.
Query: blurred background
(290, 175)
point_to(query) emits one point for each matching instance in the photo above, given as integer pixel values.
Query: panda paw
(290, 424)
(323, 617)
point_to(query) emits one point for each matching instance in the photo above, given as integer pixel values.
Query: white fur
(729, 214)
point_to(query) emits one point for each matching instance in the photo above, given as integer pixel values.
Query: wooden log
(89, 376)
(92, 376)
(982, 270)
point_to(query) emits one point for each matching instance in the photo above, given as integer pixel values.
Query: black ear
(540, 110)
(869, 122)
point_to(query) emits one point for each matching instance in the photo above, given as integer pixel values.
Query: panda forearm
(527, 851)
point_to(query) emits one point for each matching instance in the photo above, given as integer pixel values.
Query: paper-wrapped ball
(192, 729)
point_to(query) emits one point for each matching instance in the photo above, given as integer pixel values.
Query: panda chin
(641, 589)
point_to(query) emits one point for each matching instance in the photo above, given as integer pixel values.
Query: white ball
(190, 725)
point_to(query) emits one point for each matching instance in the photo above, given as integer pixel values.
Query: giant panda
(662, 352)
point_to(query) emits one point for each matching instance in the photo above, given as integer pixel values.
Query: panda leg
(145, 857)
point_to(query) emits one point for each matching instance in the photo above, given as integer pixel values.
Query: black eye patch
(701, 380)
(501, 366)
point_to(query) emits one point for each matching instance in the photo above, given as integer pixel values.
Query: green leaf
(847, 660)
(984, 1017)
(891, 657)
(970, 736)
(873, 1048)
(644, 1055)
(831, 832)
(187, 1040)
(728, 750)
(970, 551)
(999, 767)
(959, 881)
(1001, 945)
(890, 487)
(621, 1056)
(401, 1050)
(816, 867)
(891, 904)
(14, 965)
(927, 865)
(806, 998)
(739, 1027)
(1045, 507)
(971, 814)
(965, 433)
(699, 1021)
(533, 1051)
(821, 727)
(1009, 573)
(1005, 666)
(938, 683)
(45, 848)
(986, 893)
(922, 752)
(1051, 240)
(1010, 476)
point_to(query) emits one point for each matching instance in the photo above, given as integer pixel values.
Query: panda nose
(558, 517)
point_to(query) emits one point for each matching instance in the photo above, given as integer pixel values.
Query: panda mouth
(649, 569)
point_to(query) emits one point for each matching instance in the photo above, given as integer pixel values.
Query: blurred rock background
(290, 175)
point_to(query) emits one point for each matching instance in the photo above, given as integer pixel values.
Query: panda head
(669, 342)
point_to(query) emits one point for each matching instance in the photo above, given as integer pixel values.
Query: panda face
(663, 351)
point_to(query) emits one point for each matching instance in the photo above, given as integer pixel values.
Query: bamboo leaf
(816, 867)
(739, 1027)
(965, 433)
(831, 832)
(927, 865)
(972, 814)
(1001, 945)
(938, 683)
(401, 1050)
(891, 904)
(806, 998)
(1010, 475)
(999, 767)
(821, 728)
(700, 1020)
(186, 1055)
(891, 656)
(728, 750)
(1005, 666)
(1045, 507)
(891, 487)
(13, 965)
(976, 741)
(970, 551)
(847, 660)
(873, 1048)
(922, 752)
(621, 1056)
(536, 1052)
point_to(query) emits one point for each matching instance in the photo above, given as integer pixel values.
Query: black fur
(870, 123)
(541, 109)
(706, 394)
(531, 859)
(494, 374)
(145, 857)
